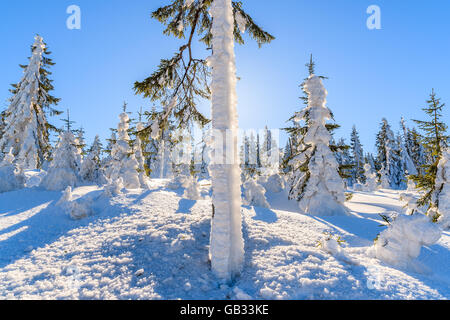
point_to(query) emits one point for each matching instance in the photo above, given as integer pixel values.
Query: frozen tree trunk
(227, 244)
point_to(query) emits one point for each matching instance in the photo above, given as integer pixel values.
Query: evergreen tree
(357, 158)
(91, 169)
(433, 139)
(389, 160)
(65, 166)
(316, 182)
(139, 154)
(26, 129)
(179, 81)
(123, 161)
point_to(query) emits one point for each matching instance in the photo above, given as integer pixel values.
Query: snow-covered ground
(153, 244)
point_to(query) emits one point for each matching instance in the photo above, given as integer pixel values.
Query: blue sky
(372, 73)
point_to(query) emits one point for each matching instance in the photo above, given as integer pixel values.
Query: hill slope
(153, 244)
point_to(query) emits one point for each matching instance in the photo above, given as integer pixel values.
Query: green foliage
(184, 76)
(434, 138)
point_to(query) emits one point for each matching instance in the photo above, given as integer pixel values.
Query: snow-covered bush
(178, 182)
(402, 241)
(91, 170)
(76, 209)
(371, 179)
(65, 166)
(358, 187)
(192, 191)
(113, 188)
(275, 183)
(254, 194)
(123, 161)
(11, 177)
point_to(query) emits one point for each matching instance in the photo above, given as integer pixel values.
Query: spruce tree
(357, 158)
(26, 129)
(316, 182)
(434, 138)
(91, 168)
(389, 160)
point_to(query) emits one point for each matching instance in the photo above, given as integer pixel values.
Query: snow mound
(275, 184)
(254, 194)
(402, 241)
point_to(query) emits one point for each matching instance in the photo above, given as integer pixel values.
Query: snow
(123, 161)
(65, 166)
(400, 244)
(227, 245)
(255, 194)
(320, 191)
(153, 244)
(11, 176)
(443, 185)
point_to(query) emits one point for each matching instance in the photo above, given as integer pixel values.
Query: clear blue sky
(372, 73)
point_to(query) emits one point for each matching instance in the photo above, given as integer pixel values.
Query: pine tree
(26, 129)
(357, 158)
(316, 182)
(433, 139)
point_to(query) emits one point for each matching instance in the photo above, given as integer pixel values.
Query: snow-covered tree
(442, 192)
(389, 158)
(139, 154)
(184, 78)
(371, 178)
(255, 194)
(26, 130)
(11, 176)
(91, 168)
(316, 182)
(357, 157)
(65, 166)
(123, 161)
(269, 154)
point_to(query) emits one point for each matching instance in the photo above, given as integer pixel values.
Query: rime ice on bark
(442, 194)
(227, 244)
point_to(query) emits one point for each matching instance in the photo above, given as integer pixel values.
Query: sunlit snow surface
(153, 244)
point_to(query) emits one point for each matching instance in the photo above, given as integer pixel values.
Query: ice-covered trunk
(227, 244)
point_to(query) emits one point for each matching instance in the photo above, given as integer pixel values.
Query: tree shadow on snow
(265, 215)
(185, 206)
(46, 225)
